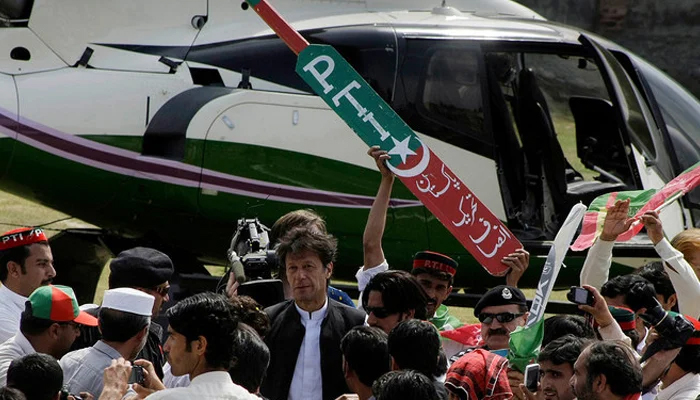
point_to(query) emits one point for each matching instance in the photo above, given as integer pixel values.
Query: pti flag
(641, 201)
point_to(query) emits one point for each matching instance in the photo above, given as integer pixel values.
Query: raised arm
(374, 230)
(597, 265)
(681, 273)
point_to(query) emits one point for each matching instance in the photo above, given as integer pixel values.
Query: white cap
(129, 300)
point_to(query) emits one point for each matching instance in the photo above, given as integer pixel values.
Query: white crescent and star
(402, 150)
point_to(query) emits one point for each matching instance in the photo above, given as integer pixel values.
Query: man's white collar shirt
(14, 348)
(307, 382)
(213, 385)
(11, 307)
(685, 388)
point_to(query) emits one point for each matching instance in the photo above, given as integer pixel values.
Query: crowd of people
(637, 338)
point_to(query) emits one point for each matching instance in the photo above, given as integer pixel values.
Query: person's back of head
(8, 393)
(296, 219)
(119, 326)
(616, 361)
(366, 351)
(404, 385)
(400, 291)
(209, 315)
(252, 358)
(415, 344)
(560, 325)
(38, 376)
(621, 285)
(251, 313)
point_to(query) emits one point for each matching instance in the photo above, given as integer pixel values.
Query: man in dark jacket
(304, 339)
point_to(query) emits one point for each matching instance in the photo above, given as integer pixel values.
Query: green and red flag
(641, 201)
(525, 342)
(418, 168)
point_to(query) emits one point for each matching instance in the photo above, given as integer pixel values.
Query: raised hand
(380, 157)
(652, 222)
(617, 220)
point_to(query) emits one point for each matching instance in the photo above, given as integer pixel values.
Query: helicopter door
(8, 118)
(647, 150)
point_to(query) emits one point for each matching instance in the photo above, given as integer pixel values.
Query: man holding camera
(124, 320)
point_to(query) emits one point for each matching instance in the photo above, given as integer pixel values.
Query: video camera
(250, 255)
(674, 330)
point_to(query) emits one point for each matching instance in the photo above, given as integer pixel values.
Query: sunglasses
(379, 312)
(487, 318)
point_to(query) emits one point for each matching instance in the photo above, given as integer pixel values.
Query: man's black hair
(656, 274)
(400, 291)
(366, 350)
(119, 326)
(559, 325)
(689, 359)
(209, 315)
(8, 393)
(404, 385)
(17, 254)
(30, 325)
(616, 361)
(621, 285)
(415, 344)
(251, 313)
(252, 358)
(37, 375)
(563, 350)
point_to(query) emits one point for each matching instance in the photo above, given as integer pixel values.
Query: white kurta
(307, 381)
(11, 307)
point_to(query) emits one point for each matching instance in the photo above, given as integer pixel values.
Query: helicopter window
(636, 113)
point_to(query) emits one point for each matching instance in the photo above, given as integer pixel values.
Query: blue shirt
(83, 369)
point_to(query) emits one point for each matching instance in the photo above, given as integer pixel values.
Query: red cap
(437, 261)
(21, 237)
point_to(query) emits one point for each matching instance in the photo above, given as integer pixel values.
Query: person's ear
(54, 330)
(329, 270)
(449, 290)
(13, 269)
(672, 301)
(200, 345)
(411, 314)
(394, 365)
(599, 383)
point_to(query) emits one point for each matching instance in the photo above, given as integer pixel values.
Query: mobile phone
(532, 377)
(137, 375)
(580, 295)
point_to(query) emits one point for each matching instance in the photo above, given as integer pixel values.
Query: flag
(525, 344)
(469, 335)
(641, 201)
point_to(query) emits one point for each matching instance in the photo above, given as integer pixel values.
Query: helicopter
(164, 122)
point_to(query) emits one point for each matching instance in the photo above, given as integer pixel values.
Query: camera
(532, 377)
(580, 295)
(137, 375)
(674, 330)
(249, 254)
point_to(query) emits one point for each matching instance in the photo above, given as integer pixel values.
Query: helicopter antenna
(444, 3)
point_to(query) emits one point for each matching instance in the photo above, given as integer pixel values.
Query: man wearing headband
(26, 263)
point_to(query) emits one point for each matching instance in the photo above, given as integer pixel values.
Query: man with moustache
(500, 311)
(26, 263)
(607, 370)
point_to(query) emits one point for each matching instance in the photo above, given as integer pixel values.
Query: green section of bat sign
(354, 100)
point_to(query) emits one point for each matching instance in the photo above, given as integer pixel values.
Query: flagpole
(670, 200)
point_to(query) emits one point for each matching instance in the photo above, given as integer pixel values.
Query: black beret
(500, 296)
(140, 267)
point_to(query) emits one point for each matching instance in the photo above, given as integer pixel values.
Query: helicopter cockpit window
(567, 136)
(451, 90)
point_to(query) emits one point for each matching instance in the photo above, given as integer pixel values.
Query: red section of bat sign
(290, 36)
(458, 209)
